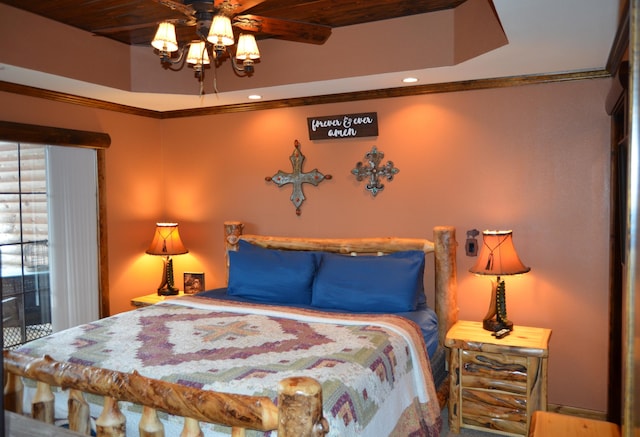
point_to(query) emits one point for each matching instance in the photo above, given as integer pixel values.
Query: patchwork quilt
(374, 371)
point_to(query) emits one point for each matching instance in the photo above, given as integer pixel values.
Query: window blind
(23, 207)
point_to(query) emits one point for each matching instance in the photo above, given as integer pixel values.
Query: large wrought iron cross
(297, 177)
(373, 171)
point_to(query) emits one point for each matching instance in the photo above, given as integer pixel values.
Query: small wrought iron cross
(297, 177)
(374, 172)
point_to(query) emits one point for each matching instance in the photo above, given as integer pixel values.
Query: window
(24, 237)
(77, 232)
(48, 239)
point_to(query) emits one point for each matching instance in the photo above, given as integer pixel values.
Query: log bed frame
(299, 408)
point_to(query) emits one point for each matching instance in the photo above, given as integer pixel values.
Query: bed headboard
(443, 248)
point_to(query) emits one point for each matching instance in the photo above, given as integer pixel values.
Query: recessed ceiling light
(255, 97)
(410, 79)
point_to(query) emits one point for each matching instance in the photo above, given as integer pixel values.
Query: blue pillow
(271, 276)
(372, 284)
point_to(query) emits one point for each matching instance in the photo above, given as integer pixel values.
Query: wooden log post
(300, 408)
(232, 232)
(455, 415)
(79, 415)
(238, 432)
(446, 282)
(191, 428)
(111, 422)
(13, 392)
(42, 407)
(150, 425)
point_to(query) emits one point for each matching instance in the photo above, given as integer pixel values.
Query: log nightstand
(150, 299)
(496, 384)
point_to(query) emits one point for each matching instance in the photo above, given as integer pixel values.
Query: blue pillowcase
(380, 284)
(271, 276)
(374, 284)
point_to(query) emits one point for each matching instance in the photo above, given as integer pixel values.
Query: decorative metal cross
(374, 172)
(297, 177)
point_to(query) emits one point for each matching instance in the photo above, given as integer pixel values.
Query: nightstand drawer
(495, 410)
(494, 371)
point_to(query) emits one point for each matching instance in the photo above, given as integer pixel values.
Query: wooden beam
(55, 136)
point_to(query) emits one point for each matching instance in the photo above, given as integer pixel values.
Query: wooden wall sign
(343, 126)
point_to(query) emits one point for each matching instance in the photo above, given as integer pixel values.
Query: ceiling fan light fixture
(215, 22)
(221, 32)
(165, 39)
(247, 47)
(198, 54)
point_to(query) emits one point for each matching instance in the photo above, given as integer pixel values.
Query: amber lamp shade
(166, 242)
(498, 257)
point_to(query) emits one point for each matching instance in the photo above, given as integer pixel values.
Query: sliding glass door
(48, 239)
(24, 239)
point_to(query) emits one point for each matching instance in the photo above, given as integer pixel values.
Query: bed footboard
(299, 411)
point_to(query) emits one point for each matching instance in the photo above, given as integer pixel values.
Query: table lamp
(166, 242)
(498, 257)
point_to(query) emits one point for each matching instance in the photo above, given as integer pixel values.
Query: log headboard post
(446, 285)
(232, 232)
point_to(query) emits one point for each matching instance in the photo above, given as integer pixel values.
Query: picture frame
(193, 282)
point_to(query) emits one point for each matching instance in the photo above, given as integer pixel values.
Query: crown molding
(415, 90)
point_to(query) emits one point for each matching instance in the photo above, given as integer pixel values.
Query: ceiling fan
(204, 15)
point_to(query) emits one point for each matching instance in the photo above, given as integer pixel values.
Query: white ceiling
(545, 36)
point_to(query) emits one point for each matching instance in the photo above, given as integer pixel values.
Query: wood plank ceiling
(134, 21)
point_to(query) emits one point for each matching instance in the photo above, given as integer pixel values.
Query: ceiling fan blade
(175, 5)
(284, 29)
(234, 7)
(125, 28)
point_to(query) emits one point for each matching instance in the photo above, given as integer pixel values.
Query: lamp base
(496, 318)
(168, 291)
(166, 287)
(494, 325)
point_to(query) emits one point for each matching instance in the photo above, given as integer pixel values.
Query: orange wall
(534, 159)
